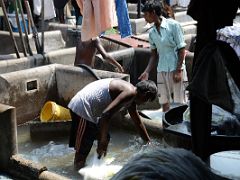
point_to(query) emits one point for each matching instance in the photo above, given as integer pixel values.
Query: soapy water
(102, 168)
(106, 167)
(58, 157)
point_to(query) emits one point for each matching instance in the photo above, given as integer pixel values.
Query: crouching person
(93, 106)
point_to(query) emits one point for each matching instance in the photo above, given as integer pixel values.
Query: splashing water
(58, 157)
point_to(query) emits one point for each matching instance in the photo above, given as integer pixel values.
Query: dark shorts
(82, 134)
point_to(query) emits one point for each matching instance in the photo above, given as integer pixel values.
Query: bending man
(93, 106)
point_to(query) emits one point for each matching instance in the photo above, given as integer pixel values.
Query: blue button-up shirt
(167, 41)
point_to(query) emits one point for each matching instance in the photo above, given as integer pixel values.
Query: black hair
(166, 164)
(147, 87)
(153, 5)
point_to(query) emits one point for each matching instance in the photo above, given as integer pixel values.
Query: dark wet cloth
(222, 12)
(230, 127)
(211, 15)
(209, 80)
(82, 134)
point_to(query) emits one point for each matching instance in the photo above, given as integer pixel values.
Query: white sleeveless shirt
(90, 102)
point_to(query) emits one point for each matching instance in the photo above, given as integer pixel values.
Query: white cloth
(49, 10)
(98, 16)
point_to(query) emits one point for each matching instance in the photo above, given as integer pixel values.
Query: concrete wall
(65, 30)
(11, 65)
(52, 40)
(62, 56)
(28, 90)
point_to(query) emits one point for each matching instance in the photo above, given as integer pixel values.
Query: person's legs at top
(77, 12)
(61, 16)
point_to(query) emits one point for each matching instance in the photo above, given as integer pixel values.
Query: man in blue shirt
(168, 52)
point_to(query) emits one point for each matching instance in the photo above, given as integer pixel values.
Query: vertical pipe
(139, 9)
(34, 28)
(20, 28)
(8, 135)
(29, 18)
(25, 27)
(42, 14)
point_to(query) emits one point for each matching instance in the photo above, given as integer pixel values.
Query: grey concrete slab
(52, 40)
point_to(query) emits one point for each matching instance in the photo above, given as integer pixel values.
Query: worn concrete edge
(27, 169)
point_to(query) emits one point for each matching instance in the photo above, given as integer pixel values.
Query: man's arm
(104, 120)
(151, 64)
(181, 55)
(138, 122)
(106, 56)
(178, 72)
(120, 101)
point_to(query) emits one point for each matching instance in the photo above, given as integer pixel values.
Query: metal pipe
(42, 14)
(25, 27)
(9, 28)
(34, 28)
(139, 9)
(20, 28)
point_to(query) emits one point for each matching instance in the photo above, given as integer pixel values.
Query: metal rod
(29, 21)
(20, 28)
(25, 27)
(34, 29)
(139, 9)
(42, 48)
(9, 28)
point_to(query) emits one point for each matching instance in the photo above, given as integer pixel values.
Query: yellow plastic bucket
(54, 112)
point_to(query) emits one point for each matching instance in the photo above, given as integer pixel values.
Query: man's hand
(120, 69)
(102, 148)
(144, 76)
(177, 76)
